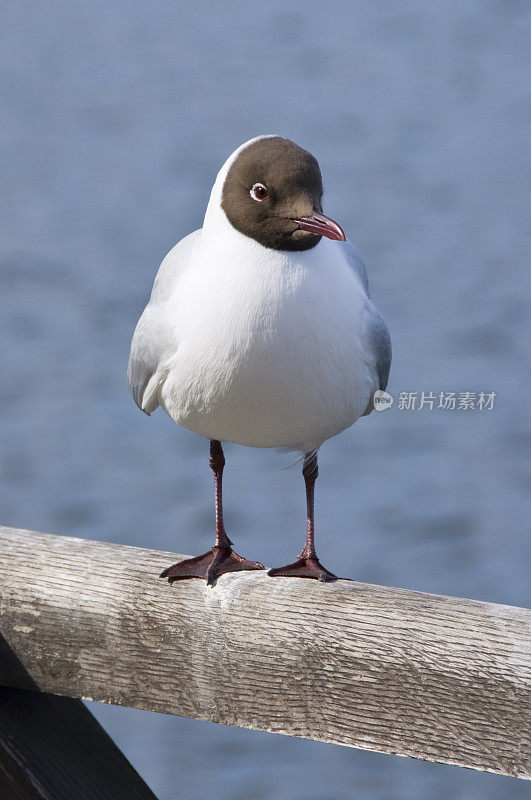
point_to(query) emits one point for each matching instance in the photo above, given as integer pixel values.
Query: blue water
(116, 119)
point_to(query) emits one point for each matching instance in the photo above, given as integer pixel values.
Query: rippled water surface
(116, 119)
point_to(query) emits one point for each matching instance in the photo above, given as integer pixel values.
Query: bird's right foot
(209, 566)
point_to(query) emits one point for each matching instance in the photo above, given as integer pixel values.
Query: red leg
(307, 565)
(221, 558)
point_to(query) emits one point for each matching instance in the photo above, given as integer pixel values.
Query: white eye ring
(258, 189)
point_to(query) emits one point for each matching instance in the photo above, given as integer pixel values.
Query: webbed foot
(209, 566)
(304, 568)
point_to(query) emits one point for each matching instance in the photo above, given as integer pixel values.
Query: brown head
(273, 192)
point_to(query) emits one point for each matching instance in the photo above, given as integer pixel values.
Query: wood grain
(438, 678)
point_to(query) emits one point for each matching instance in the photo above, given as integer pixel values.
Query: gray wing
(154, 339)
(377, 338)
(380, 343)
(377, 345)
(375, 335)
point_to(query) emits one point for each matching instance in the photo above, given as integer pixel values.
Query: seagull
(260, 331)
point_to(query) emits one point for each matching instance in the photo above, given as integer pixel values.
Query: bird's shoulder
(355, 262)
(173, 266)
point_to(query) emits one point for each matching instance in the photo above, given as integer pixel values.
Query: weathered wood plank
(432, 677)
(52, 748)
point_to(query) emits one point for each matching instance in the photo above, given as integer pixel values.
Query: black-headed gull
(260, 331)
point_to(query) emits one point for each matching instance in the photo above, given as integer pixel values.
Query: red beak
(324, 226)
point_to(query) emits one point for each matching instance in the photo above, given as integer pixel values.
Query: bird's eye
(258, 192)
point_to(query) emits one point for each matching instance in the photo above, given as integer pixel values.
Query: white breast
(270, 350)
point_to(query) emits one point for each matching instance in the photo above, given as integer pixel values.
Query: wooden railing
(431, 677)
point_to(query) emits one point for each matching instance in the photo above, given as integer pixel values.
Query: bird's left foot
(304, 568)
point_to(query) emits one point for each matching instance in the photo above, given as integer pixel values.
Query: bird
(260, 331)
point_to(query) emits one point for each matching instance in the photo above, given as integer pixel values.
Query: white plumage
(262, 347)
